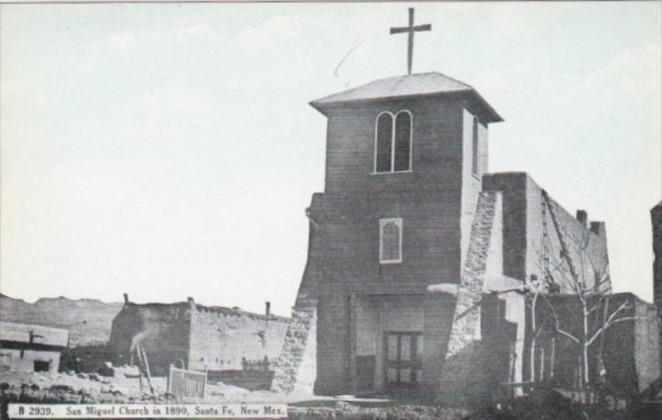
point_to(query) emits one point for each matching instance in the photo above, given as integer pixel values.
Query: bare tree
(576, 272)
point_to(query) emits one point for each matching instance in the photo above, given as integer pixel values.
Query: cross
(410, 30)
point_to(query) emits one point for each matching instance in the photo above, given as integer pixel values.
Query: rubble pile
(119, 385)
(71, 387)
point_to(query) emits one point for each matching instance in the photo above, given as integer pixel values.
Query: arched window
(402, 159)
(393, 138)
(390, 240)
(384, 142)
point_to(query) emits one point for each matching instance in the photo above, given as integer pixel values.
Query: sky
(168, 150)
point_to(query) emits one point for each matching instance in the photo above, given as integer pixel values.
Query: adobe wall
(163, 330)
(345, 231)
(647, 344)
(435, 201)
(333, 355)
(23, 361)
(213, 338)
(436, 147)
(524, 213)
(513, 187)
(220, 337)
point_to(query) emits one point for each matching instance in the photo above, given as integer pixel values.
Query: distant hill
(88, 320)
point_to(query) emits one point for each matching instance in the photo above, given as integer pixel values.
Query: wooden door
(403, 355)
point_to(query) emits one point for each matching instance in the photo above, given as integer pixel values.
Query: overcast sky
(168, 150)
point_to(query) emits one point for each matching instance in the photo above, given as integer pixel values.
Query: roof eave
(495, 117)
(317, 106)
(321, 105)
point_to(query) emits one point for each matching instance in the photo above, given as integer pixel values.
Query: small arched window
(390, 241)
(393, 138)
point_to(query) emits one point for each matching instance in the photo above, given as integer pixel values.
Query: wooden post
(169, 381)
(204, 386)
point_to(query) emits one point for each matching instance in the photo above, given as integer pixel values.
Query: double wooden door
(403, 354)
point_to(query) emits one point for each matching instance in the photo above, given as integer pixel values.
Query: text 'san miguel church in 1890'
(418, 256)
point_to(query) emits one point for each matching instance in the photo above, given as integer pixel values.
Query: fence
(187, 385)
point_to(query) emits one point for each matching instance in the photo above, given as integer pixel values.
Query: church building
(418, 256)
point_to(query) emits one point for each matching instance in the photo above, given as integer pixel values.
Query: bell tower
(405, 157)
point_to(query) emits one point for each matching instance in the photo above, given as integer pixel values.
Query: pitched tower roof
(422, 84)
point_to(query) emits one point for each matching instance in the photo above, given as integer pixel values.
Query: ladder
(143, 368)
(565, 253)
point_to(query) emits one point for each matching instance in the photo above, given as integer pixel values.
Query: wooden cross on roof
(410, 30)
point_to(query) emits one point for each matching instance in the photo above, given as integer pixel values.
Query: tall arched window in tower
(390, 241)
(393, 138)
(384, 143)
(402, 158)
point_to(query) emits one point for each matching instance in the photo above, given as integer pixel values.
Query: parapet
(599, 229)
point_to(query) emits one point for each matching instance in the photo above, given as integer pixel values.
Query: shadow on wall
(162, 330)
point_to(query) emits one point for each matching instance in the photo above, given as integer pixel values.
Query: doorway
(403, 352)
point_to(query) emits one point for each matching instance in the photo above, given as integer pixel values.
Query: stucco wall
(523, 238)
(23, 361)
(344, 238)
(202, 337)
(647, 344)
(220, 337)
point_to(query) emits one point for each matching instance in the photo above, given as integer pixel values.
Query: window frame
(382, 223)
(394, 118)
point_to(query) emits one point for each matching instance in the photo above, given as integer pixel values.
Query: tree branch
(627, 318)
(567, 334)
(603, 296)
(609, 322)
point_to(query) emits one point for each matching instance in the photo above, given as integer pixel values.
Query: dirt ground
(92, 388)
(120, 388)
(80, 388)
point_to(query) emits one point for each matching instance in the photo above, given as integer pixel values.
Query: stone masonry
(295, 370)
(466, 320)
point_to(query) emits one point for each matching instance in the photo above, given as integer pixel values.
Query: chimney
(267, 308)
(191, 303)
(599, 228)
(582, 217)
(126, 298)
